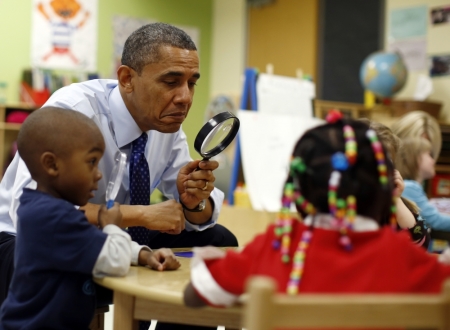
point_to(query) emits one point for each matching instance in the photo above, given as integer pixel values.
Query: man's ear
(125, 76)
(49, 163)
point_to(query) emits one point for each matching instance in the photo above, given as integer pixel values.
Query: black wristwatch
(199, 208)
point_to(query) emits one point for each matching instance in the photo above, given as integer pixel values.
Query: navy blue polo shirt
(56, 250)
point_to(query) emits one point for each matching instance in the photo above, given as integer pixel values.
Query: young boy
(57, 250)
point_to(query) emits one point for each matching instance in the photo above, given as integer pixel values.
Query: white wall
(228, 47)
(438, 42)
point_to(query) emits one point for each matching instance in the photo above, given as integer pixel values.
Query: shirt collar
(325, 221)
(125, 128)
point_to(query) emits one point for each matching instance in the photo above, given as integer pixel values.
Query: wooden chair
(98, 322)
(266, 309)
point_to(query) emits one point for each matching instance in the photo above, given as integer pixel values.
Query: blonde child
(342, 185)
(57, 250)
(420, 124)
(408, 216)
(416, 164)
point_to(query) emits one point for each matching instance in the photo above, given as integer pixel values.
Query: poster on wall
(440, 15)
(64, 34)
(408, 22)
(413, 51)
(123, 26)
(440, 65)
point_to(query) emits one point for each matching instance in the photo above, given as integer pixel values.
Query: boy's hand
(111, 216)
(162, 259)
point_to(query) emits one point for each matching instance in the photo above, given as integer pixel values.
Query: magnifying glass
(216, 134)
(115, 179)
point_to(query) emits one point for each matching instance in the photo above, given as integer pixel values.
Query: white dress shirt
(101, 101)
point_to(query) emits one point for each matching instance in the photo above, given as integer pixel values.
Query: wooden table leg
(123, 312)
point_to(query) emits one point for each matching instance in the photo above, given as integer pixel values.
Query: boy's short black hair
(52, 129)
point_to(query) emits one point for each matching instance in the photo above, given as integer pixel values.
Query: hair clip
(333, 116)
(379, 155)
(339, 161)
(297, 165)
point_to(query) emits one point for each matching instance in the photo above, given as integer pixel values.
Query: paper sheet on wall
(408, 23)
(64, 34)
(284, 95)
(424, 88)
(267, 142)
(414, 52)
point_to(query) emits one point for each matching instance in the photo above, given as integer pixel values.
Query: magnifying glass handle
(109, 204)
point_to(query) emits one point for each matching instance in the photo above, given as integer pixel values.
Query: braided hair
(340, 169)
(317, 147)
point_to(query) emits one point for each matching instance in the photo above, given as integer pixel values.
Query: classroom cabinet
(10, 117)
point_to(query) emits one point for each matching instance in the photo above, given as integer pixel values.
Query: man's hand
(111, 216)
(162, 259)
(195, 186)
(166, 217)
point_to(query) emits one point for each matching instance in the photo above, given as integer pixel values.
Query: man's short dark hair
(142, 46)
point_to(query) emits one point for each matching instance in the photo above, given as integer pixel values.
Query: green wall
(15, 34)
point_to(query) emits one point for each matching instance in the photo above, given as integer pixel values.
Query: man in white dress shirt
(153, 94)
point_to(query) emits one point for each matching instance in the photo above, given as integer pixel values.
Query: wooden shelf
(440, 168)
(10, 126)
(9, 131)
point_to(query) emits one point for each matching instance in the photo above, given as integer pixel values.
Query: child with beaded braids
(342, 186)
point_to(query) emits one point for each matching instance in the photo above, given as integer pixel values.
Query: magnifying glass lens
(216, 136)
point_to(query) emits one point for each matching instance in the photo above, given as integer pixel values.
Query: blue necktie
(139, 193)
(139, 185)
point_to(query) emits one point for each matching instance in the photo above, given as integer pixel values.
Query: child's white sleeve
(116, 255)
(135, 249)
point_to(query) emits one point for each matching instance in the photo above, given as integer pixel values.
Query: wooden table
(145, 294)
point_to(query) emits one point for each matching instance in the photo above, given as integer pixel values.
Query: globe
(384, 74)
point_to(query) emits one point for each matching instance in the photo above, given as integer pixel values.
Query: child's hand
(111, 216)
(162, 259)
(399, 185)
